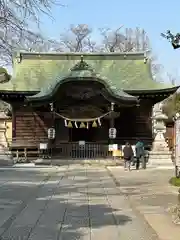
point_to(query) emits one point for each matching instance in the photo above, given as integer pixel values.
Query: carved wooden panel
(82, 111)
(81, 92)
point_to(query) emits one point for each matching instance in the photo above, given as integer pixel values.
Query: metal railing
(70, 150)
(86, 151)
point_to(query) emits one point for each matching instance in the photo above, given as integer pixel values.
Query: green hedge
(175, 181)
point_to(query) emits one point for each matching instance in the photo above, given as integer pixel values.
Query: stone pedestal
(160, 158)
(5, 155)
(160, 154)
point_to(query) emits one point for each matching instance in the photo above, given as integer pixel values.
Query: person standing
(139, 152)
(128, 155)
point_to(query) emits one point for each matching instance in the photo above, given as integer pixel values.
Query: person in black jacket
(128, 155)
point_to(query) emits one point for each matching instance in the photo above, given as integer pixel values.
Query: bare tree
(112, 41)
(128, 41)
(173, 78)
(37, 43)
(78, 39)
(15, 17)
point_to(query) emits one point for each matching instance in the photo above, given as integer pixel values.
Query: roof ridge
(86, 53)
(22, 55)
(26, 53)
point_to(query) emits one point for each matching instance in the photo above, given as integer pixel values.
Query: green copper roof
(82, 71)
(42, 71)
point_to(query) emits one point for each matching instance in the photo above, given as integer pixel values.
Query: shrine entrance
(83, 116)
(83, 107)
(82, 134)
(84, 113)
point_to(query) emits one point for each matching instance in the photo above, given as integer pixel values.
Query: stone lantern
(159, 130)
(160, 154)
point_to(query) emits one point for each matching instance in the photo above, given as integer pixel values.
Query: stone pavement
(69, 202)
(150, 194)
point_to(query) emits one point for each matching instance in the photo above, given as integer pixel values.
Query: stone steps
(6, 161)
(160, 152)
(160, 157)
(6, 158)
(104, 162)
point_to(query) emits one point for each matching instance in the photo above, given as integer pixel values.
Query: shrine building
(81, 96)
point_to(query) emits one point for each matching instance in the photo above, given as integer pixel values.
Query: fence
(85, 151)
(62, 150)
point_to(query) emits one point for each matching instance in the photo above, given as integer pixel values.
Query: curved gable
(82, 71)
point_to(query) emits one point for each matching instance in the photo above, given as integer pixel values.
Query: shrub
(175, 181)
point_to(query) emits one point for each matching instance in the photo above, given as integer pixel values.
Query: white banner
(113, 147)
(43, 146)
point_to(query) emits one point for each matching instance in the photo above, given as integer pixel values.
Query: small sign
(110, 147)
(82, 143)
(43, 146)
(112, 133)
(51, 133)
(113, 147)
(117, 153)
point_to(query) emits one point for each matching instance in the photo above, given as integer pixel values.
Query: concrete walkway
(150, 194)
(73, 202)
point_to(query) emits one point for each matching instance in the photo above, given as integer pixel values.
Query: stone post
(5, 155)
(176, 119)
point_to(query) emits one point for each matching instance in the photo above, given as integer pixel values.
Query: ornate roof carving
(82, 66)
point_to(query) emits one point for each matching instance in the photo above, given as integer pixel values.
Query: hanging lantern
(69, 124)
(51, 133)
(94, 124)
(99, 121)
(51, 107)
(82, 125)
(65, 123)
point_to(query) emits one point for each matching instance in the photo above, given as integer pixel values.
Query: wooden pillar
(13, 123)
(112, 121)
(52, 114)
(51, 141)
